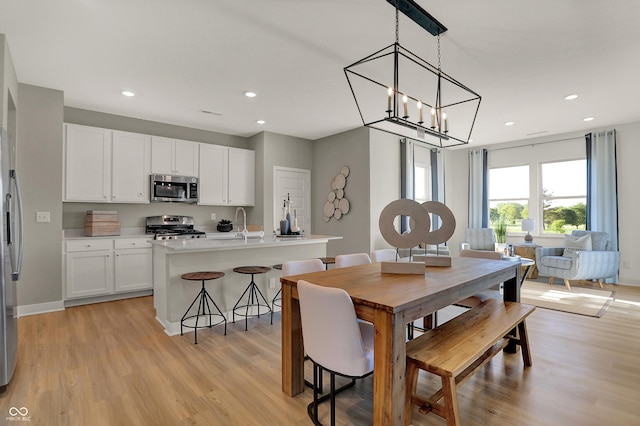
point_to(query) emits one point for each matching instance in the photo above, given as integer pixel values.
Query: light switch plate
(43, 217)
(213, 216)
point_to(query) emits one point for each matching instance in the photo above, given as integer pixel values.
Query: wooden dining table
(390, 301)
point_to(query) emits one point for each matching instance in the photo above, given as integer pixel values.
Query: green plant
(500, 228)
(224, 222)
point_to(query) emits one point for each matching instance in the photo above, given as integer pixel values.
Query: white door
(297, 184)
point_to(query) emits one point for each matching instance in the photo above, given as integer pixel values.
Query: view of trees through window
(562, 196)
(509, 196)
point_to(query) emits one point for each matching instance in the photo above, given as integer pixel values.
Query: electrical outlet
(213, 216)
(272, 283)
(43, 217)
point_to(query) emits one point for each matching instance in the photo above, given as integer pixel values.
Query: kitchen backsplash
(134, 215)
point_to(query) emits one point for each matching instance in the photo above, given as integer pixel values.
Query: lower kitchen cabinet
(106, 266)
(133, 268)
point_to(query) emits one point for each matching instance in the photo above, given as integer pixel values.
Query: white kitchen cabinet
(106, 266)
(213, 188)
(88, 268)
(133, 265)
(242, 172)
(174, 157)
(103, 165)
(227, 176)
(131, 167)
(87, 164)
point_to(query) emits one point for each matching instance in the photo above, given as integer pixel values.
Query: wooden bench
(460, 347)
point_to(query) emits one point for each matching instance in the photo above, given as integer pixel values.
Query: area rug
(582, 301)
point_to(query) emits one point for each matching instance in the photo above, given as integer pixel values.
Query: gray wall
(283, 151)
(384, 180)
(329, 156)
(9, 86)
(128, 124)
(40, 172)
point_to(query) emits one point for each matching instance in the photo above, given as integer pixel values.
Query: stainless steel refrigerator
(10, 259)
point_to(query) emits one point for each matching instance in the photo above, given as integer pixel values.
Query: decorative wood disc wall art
(337, 205)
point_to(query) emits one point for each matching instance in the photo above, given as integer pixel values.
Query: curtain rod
(575, 138)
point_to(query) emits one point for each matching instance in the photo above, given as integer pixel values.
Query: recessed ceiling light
(509, 123)
(128, 93)
(260, 121)
(250, 94)
(571, 97)
(588, 119)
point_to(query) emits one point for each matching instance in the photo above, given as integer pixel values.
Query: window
(564, 196)
(509, 195)
(422, 174)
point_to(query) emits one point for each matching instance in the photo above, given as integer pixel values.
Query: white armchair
(595, 264)
(480, 239)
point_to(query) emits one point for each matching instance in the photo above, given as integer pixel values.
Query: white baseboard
(40, 308)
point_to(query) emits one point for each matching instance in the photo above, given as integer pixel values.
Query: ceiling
(182, 57)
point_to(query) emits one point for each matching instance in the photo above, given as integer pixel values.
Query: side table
(528, 251)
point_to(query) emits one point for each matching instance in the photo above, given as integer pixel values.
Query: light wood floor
(111, 364)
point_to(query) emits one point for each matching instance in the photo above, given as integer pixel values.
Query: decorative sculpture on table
(420, 232)
(337, 204)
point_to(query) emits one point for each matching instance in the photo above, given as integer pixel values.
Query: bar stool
(328, 261)
(277, 299)
(252, 291)
(203, 305)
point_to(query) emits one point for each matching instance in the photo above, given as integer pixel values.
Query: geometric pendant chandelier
(398, 92)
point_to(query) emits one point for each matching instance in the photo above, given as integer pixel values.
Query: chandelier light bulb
(404, 103)
(420, 121)
(389, 95)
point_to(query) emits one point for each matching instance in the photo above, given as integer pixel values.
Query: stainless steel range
(171, 227)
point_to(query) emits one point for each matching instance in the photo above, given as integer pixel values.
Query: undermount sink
(234, 235)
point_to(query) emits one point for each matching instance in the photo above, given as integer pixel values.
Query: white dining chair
(295, 267)
(353, 259)
(384, 255)
(334, 340)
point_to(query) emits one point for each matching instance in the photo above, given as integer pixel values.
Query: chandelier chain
(397, 25)
(439, 67)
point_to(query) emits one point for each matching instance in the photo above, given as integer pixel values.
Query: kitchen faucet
(244, 216)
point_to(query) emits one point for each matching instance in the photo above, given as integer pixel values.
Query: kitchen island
(172, 258)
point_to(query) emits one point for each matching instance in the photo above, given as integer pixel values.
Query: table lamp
(528, 225)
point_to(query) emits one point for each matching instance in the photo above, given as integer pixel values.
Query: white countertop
(210, 244)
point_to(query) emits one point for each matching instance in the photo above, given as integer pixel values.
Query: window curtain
(478, 189)
(437, 182)
(602, 185)
(406, 178)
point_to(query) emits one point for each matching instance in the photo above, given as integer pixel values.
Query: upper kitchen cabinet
(174, 157)
(242, 172)
(87, 167)
(130, 168)
(102, 165)
(227, 176)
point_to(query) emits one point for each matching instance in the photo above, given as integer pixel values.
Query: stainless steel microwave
(174, 189)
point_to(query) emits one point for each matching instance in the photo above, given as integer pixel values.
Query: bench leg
(524, 344)
(450, 401)
(411, 382)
